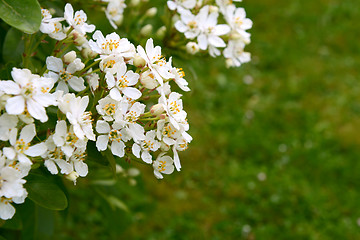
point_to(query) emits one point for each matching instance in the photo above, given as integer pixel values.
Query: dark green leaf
(24, 15)
(45, 192)
(13, 46)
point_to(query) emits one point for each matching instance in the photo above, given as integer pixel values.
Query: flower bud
(160, 33)
(119, 21)
(192, 48)
(139, 62)
(164, 147)
(133, 172)
(162, 116)
(229, 63)
(88, 53)
(157, 109)
(213, 9)
(148, 80)
(151, 12)
(69, 57)
(118, 168)
(134, 2)
(199, 4)
(72, 176)
(146, 30)
(78, 38)
(52, 11)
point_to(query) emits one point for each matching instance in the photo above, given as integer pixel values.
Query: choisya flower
(180, 5)
(65, 76)
(163, 165)
(74, 108)
(77, 20)
(114, 11)
(145, 146)
(154, 61)
(20, 148)
(122, 83)
(112, 44)
(30, 92)
(115, 134)
(51, 26)
(235, 53)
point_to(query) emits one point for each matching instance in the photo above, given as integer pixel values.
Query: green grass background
(292, 115)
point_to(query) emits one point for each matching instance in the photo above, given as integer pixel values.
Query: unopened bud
(72, 176)
(164, 147)
(162, 116)
(146, 30)
(88, 53)
(157, 109)
(160, 33)
(133, 172)
(148, 80)
(118, 168)
(151, 12)
(199, 4)
(192, 48)
(119, 21)
(52, 11)
(139, 62)
(78, 38)
(213, 9)
(69, 57)
(134, 2)
(229, 63)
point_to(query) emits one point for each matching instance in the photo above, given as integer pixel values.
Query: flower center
(109, 109)
(131, 117)
(65, 75)
(123, 82)
(79, 20)
(161, 166)
(71, 139)
(56, 153)
(192, 25)
(168, 131)
(21, 146)
(110, 45)
(86, 118)
(174, 107)
(115, 135)
(28, 90)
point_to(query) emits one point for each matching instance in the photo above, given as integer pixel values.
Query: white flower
(112, 44)
(77, 20)
(51, 26)
(235, 53)
(114, 11)
(122, 82)
(77, 160)
(236, 18)
(67, 140)
(7, 122)
(30, 92)
(154, 61)
(65, 75)
(179, 5)
(74, 108)
(189, 24)
(174, 108)
(116, 135)
(20, 148)
(55, 158)
(93, 80)
(178, 77)
(210, 32)
(110, 109)
(145, 146)
(163, 164)
(7, 211)
(129, 119)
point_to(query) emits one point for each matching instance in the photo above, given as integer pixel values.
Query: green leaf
(24, 15)
(117, 203)
(13, 46)
(45, 192)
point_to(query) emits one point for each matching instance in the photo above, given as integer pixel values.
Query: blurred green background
(276, 146)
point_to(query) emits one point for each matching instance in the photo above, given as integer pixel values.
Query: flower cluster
(199, 22)
(105, 90)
